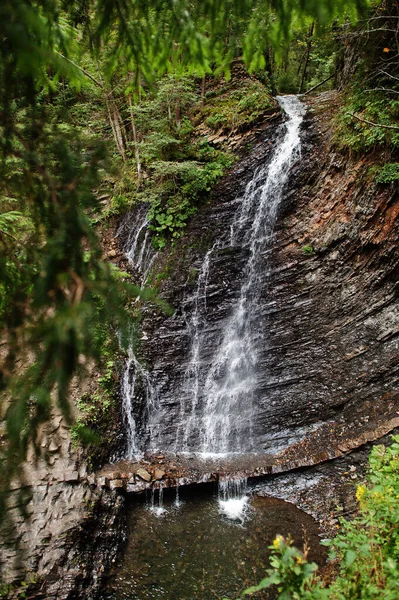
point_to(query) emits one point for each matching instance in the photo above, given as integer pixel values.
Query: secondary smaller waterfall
(157, 507)
(141, 256)
(233, 499)
(137, 243)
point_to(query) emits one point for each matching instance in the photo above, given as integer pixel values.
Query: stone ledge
(336, 439)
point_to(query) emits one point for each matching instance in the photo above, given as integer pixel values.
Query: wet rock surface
(328, 372)
(325, 491)
(60, 531)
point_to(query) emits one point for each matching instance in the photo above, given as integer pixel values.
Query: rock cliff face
(329, 364)
(60, 533)
(328, 370)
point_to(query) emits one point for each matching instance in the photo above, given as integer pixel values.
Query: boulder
(143, 474)
(159, 474)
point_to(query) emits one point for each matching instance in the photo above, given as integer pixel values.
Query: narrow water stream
(193, 551)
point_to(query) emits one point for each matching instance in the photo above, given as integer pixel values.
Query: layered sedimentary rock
(328, 368)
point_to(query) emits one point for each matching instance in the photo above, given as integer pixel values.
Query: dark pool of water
(192, 552)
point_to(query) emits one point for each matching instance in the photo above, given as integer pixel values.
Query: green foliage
(355, 134)
(94, 429)
(56, 291)
(21, 590)
(148, 37)
(291, 64)
(169, 220)
(291, 573)
(369, 117)
(389, 173)
(367, 547)
(308, 249)
(287, 82)
(183, 184)
(232, 108)
(180, 169)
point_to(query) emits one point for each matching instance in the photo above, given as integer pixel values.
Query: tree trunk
(269, 57)
(307, 55)
(115, 122)
(135, 140)
(177, 114)
(203, 91)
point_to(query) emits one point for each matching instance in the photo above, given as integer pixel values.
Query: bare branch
(367, 32)
(382, 89)
(373, 124)
(98, 83)
(388, 75)
(318, 85)
(2, 232)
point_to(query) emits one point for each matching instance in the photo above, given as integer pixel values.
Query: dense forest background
(111, 103)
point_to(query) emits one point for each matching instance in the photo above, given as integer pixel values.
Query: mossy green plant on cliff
(231, 108)
(94, 427)
(388, 173)
(308, 250)
(365, 124)
(181, 187)
(179, 166)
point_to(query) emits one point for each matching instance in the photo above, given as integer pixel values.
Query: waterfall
(137, 243)
(229, 409)
(233, 499)
(192, 373)
(217, 398)
(157, 507)
(141, 256)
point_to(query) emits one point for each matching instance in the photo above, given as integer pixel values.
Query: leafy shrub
(180, 187)
(389, 173)
(359, 136)
(287, 83)
(234, 108)
(367, 547)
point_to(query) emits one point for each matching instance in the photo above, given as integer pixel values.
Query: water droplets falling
(156, 506)
(177, 502)
(233, 499)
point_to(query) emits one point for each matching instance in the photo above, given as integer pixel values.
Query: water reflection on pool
(191, 551)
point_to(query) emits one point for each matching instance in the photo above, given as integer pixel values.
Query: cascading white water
(141, 256)
(127, 394)
(192, 373)
(218, 404)
(233, 499)
(137, 245)
(228, 412)
(157, 507)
